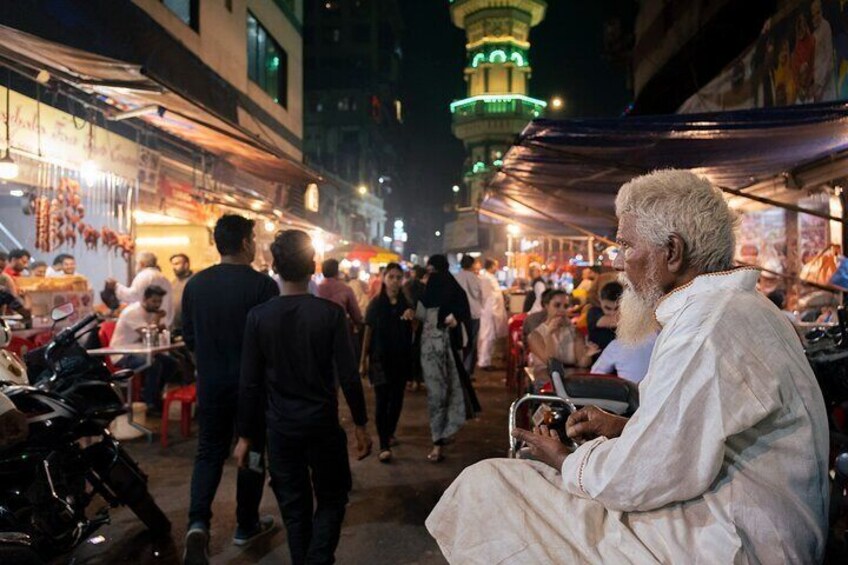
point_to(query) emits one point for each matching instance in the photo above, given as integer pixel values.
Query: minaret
(497, 71)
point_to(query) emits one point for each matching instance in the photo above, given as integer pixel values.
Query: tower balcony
(514, 106)
(461, 9)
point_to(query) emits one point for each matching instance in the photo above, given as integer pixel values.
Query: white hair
(147, 259)
(679, 202)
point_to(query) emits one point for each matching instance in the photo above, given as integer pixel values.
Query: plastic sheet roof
(562, 176)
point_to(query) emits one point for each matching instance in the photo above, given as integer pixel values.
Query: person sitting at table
(157, 369)
(603, 319)
(557, 339)
(630, 362)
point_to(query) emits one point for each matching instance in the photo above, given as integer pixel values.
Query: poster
(801, 57)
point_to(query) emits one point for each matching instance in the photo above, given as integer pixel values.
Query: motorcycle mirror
(62, 312)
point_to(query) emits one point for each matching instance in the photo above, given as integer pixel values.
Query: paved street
(385, 517)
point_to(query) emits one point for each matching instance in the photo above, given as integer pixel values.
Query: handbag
(821, 268)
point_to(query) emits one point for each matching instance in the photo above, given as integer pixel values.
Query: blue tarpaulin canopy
(562, 176)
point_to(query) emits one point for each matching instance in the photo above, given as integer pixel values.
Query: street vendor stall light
(557, 103)
(269, 226)
(8, 168)
(89, 171)
(438, 233)
(399, 224)
(256, 205)
(17, 193)
(455, 188)
(513, 229)
(363, 190)
(387, 239)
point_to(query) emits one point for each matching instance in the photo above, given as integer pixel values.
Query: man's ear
(676, 254)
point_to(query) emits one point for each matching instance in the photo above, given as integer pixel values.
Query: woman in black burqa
(446, 315)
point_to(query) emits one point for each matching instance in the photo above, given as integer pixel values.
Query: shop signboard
(801, 57)
(39, 129)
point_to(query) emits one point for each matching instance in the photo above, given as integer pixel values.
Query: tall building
(353, 112)
(497, 72)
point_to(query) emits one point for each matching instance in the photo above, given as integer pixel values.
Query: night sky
(567, 60)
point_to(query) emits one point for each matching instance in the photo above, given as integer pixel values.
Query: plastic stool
(186, 396)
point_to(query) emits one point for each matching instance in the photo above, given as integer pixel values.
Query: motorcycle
(70, 457)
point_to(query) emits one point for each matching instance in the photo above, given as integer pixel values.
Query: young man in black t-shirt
(296, 348)
(215, 305)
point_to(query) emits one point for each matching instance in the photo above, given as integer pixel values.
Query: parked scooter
(70, 457)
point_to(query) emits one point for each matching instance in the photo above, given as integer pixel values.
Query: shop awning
(213, 126)
(364, 252)
(562, 176)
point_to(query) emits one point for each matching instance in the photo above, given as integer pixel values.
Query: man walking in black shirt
(215, 305)
(295, 347)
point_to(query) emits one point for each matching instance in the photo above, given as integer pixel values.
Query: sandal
(385, 456)
(435, 457)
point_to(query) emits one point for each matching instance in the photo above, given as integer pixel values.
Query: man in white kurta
(148, 275)
(725, 461)
(493, 318)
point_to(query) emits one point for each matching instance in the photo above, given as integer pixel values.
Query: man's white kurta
(724, 462)
(493, 320)
(149, 276)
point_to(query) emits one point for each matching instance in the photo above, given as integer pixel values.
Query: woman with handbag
(387, 354)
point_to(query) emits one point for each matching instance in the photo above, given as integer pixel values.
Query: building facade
(353, 112)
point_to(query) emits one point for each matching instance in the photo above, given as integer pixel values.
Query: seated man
(628, 361)
(726, 459)
(159, 369)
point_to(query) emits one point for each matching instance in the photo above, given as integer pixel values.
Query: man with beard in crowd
(726, 458)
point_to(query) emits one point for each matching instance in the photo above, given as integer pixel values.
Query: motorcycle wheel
(131, 490)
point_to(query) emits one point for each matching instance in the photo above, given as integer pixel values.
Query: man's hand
(13, 428)
(363, 442)
(555, 322)
(591, 422)
(408, 315)
(241, 452)
(545, 445)
(111, 284)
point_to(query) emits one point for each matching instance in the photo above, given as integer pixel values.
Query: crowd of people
(19, 263)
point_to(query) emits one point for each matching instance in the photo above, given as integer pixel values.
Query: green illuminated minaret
(497, 71)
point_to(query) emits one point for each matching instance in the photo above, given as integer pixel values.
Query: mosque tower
(497, 72)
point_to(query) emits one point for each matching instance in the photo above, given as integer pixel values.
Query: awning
(562, 176)
(126, 86)
(364, 252)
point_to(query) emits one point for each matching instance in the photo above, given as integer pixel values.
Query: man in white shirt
(630, 362)
(726, 459)
(493, 318)
(148, 274)
(158, 369)
(470, 283)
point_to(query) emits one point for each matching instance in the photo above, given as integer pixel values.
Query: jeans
(217, 423)
(469, 354)
(389, 403)
(163, 369)
(312, 537)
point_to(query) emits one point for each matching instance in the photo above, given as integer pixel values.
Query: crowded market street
(388, 504)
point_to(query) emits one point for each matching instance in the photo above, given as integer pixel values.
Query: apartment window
(186, 10)
(267, 62)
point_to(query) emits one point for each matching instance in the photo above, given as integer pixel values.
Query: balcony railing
(494, 105)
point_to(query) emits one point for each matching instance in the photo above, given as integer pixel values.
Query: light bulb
(269, 226)
(8, 168)
(89, 172)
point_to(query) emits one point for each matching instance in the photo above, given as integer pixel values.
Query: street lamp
(455, 188)
(363, 190)
(438, 233)
(513, 229)
(557, 103)
(387, 239)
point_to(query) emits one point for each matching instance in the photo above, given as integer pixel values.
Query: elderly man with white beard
(725, 461)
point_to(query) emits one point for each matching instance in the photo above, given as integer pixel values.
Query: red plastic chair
(19, 346)
(515, 349)
(104, 334)
(43, 339)
(186, 396)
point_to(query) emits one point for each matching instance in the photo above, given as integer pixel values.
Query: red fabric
(19, 346)
(339, 292)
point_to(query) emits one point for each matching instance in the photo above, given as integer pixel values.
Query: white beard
(636, 310)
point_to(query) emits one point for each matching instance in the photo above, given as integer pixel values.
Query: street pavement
(385, 517)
